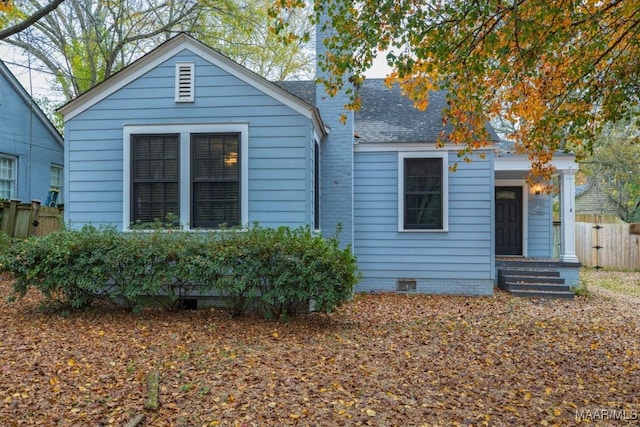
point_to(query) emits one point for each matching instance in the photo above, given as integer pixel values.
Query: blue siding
(24, 136)
(279, 142)
(458, 261)
(540, 228)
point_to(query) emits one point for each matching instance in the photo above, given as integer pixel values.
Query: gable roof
(28, 100)
(386, 115)
(169, 49)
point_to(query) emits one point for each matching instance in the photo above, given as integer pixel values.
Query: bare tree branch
(29, 21)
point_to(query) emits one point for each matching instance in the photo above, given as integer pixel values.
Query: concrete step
(542, 294)
(536, 286)
(531, 282)
(533, 279)
(529, 272)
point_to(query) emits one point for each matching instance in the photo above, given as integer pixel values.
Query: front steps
(533, 282)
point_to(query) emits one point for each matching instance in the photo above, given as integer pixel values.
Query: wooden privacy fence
(615, 246)
(22, 220)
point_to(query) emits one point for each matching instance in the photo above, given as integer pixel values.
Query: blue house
(31, 149)
(186, 131)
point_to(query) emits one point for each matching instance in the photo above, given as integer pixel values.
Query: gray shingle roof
(385, 114)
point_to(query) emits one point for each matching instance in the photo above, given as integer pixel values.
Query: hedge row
(276, 270)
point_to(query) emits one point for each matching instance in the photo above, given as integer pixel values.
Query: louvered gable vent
(185, 81)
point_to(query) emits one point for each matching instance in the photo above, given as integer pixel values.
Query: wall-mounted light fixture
(537, 188)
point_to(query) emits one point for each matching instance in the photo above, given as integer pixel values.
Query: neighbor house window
(55, 186)
(215, 181)
(7, 177)
(155, 169)
(195, 174)
(422, 192)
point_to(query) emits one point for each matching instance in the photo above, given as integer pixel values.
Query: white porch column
(568, 216)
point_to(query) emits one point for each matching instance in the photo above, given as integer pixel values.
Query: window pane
(423, 193)
(155, 177)
(5, 190)
(215, 180)
(7, 178)
(215, 204)
(56, 177)
(6, 168)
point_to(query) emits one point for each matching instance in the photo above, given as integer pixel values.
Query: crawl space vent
(406, 285)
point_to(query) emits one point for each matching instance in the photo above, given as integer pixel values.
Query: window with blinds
(215, 180)
(155, 172)
(212, 169)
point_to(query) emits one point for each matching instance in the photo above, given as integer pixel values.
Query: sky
(36, 83)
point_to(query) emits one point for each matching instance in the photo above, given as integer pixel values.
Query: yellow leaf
(527, 396)
(556, 412)
(408, 354)
(371, 412)
(294, 416)
(71, 362)
(214, 423)
(275, 335)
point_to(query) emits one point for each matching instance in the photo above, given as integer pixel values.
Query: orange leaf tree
(557, 69)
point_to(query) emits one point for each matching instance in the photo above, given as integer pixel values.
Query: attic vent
(185, 81)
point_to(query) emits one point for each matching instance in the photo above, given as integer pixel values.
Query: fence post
(34, 217)
(9, 218)
(597, 247)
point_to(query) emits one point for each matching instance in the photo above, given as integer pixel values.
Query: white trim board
(184, 181)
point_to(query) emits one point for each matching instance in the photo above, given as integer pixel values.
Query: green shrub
(279, 271)
(5, 243)
(67, 267)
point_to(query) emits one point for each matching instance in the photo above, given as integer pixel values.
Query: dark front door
(508, 220)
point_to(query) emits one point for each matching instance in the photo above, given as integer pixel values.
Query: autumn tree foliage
(557, 69)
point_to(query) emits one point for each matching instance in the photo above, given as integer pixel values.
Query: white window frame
(445, 189)
(185, 82)
(184, 178)
(13, 179)
(52, 185)
(61, 171)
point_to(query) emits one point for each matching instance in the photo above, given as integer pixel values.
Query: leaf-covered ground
(381, 360)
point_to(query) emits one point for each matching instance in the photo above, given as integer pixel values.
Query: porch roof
(519, 166)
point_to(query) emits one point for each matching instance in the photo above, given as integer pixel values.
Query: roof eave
(167, 50)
